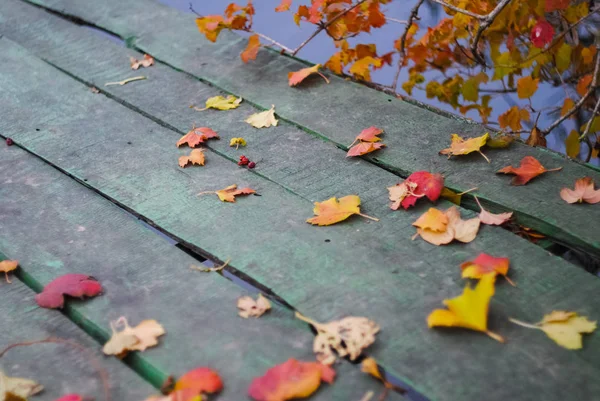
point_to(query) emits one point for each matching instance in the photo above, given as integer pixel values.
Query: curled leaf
(290, 380)
(7, 266)
(460, 146)
(423, 184)
(126, 338)
(263, 119)
(363, 148)
(469, 310)
(583, 192)
(147, 61)
(333, 211)
(528, 170)
(485, 264)
(294, 78)
(399, 192)
(74, 285)
(500, 141)
(196, 156)
(228, 194)
(348, 337)
(17, 387)
(433, 219)
(196, 136)
(565, 328)
(491, 218)
(248, 307)
(221, 103)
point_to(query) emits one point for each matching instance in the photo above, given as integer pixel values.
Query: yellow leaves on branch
(294, 78)
(512, 118)
(347, 337)
(565, 328)
(228, 194)
(7, 266)
(249, 307)
(16, 388)
(469, 310)
(583, 192)
(333, 211)
(264, 119)
(196, 156)
(460, 146)
(221, 103)
(126, 338)
(440, 228)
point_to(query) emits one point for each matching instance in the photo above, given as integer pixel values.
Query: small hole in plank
(327, 240)
(85, 179)
(37, 129)
(128, 143)
(389, 100)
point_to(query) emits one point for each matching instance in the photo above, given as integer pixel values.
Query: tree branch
(485, 24)
(460, 10)
(589, 123)
(414, 14)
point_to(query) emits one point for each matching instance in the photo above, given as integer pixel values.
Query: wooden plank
(338, 111)
(60, 368)
(53, 225)
(377, 270)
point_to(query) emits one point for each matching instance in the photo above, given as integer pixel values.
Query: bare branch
(287, 49)
(589, 123)
(485, 24)
(414, 14)
(460, 10)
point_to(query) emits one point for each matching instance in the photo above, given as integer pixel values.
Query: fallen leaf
(70, 397)
(251, 50)
(370, 366)
(583, 192)
(333, 211)
(426, 184)
(196, 136)
(8, 266)
(565, 328)
(290, 380)
(500, 141)
(237, 142)
(363, 148)
(221, 103)
(201, 381)
(491, 218)
(399, 192)
(16, 388)
(370, 134)
(455, 227)
(529, 169)
(74, 285)
(147, 61)
(469, 310)
(464, 230)
(536, 138)
(228, 194)
(433, 219)
(196, 156)
(248, 307)
(263, 119)
(294, 78)
(348, 337)
(485, 264)
(126, 338)
(460, 146)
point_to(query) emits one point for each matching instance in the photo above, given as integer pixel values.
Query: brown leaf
(536, 138)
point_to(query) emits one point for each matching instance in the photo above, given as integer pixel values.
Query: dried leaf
(237, 142)
(425, 184)
(464, 230)
(460, 146)
(491, 218)
(486, 264)
(201, 381)
(7, 266)
(263, 119)
(399, 192)
(363, 148)
(333, 211)
(536, 138)
(74, 285)
(196, 136)
(128, 338)
(221, 103)
(290, 380)
(248, 307)
(251, 50)
(433, 219)
(228, 194)
(583, 192)
(294, 78)
(196, 156)
(147, 61)
(500, 141)
(370, 134)
(17, 387)
(565, 328)
(529, 169)
(348, 337)
(469, 310)
(527, 86)
(431, 230)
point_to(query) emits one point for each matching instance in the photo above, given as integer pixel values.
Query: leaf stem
(484, 156)
(495, 336)
(368, 217)
(308, 320)
(510, 281)
(467, 191)
(211, 269)
(554, 169)
(206, 192)
(125, 81)
(524, 324)
(323, 76)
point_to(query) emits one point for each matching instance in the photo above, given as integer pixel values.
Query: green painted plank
(338, 112)
(54, 225)
(371, 269)
(60, 368)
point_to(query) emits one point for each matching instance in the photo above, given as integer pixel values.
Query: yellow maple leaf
(512, 118)
(126, 338)
(263, 119)
(565, 328)
(333, 211)
(8, 266)
(469, 310)
(460, 146)
(360, 69)
(221, 103)
(433, 219)
(228, 194)
(196, 156)
(527, 86)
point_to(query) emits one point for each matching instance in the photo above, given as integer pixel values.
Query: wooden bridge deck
(85, 163)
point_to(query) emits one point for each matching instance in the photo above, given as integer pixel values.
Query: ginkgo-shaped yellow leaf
(126, 338)
(565, 328)
(460, 146)
(221, 103)
(469, 310)
(333, 210)
(263, 119)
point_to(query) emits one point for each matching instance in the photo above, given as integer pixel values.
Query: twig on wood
(414, 14)
(125, 81)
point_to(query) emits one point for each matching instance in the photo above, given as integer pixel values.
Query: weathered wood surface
(54, 225)
(370, 269)
(338, 111)
(60, 368)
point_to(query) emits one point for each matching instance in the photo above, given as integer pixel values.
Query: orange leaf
(333, 211)
(197, 136)
(460, 146)
(512, 118)
(369, 135)
(201, 380)
(527, 86)
(196, 156)
(567, 106)
(584, 84)
(469, 310)
(228, 194)
(8, 266)
(363, 148)
(147, 61)
(491, 218)
(294, 78)
(433, 219)
(583, 192)
(431, 229)
(529, 169)
(399, 192)
(251, 50)
(485, 264)
(283, 6)
(361, 68)
(289, 380)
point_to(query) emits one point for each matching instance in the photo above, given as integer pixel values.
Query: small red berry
(251, 165)
(243, 161)
(9, 142)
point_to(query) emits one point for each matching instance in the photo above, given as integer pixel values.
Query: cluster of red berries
(244, 161)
